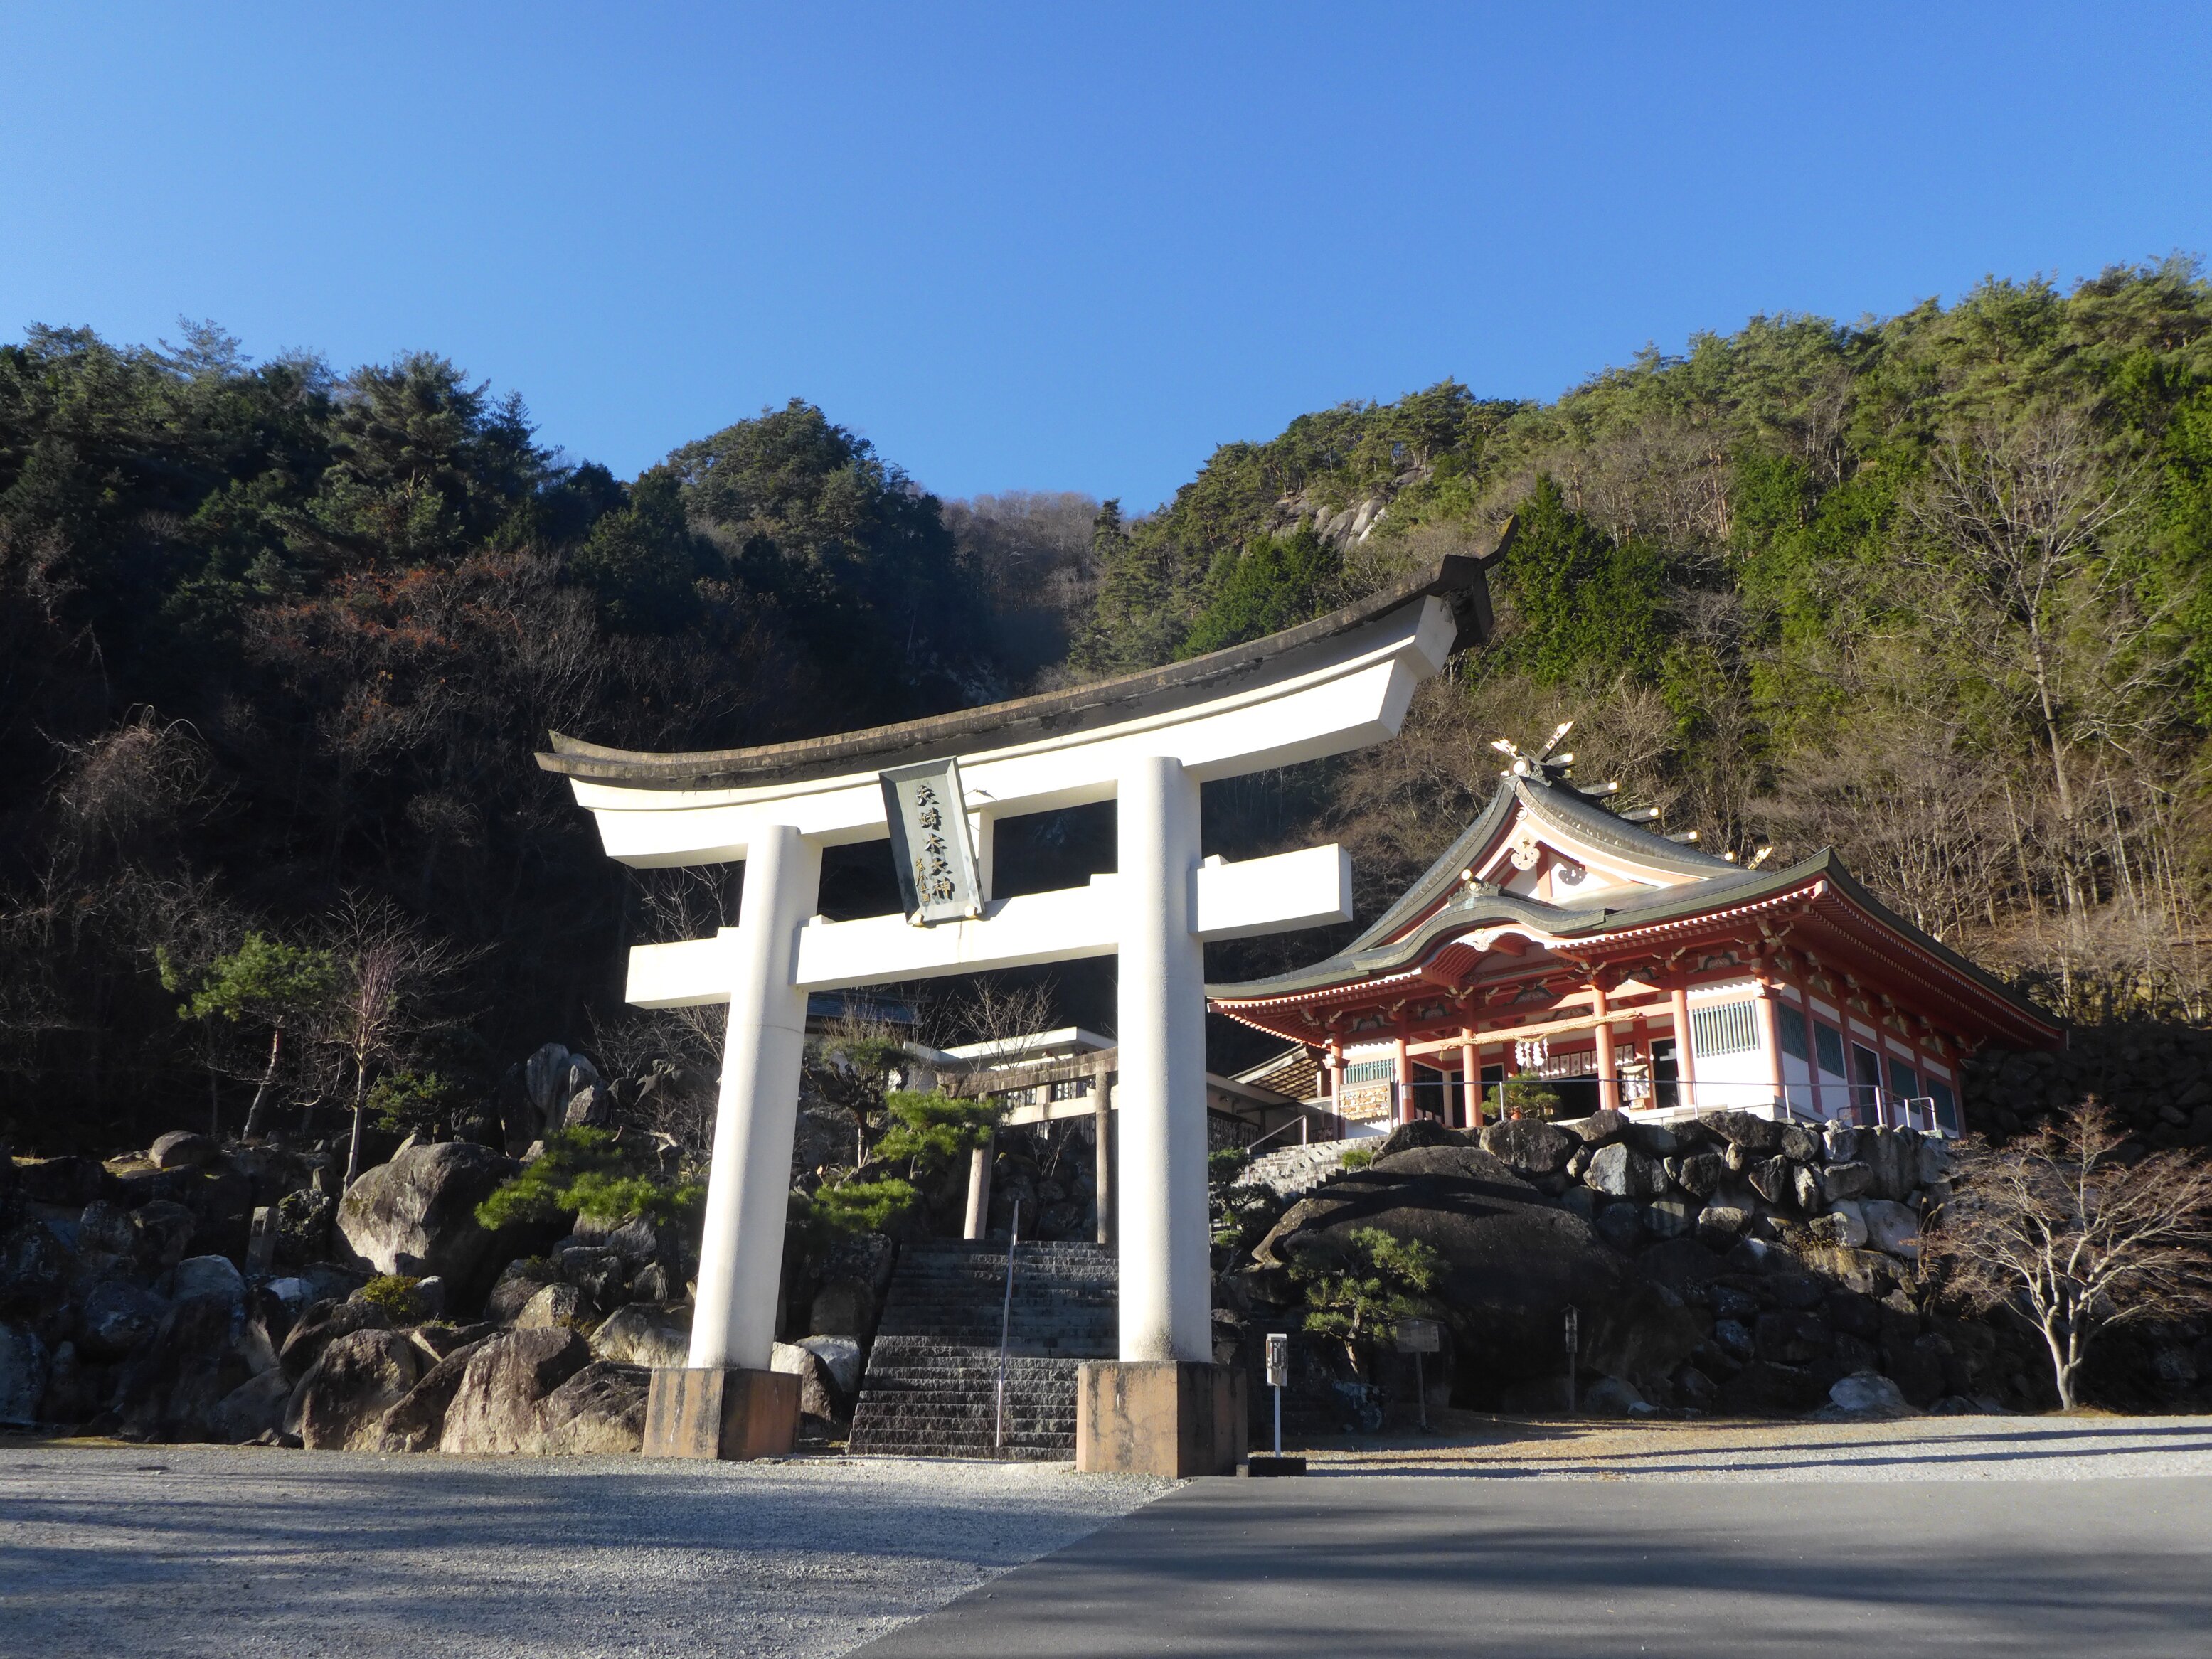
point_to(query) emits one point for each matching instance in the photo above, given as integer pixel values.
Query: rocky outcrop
(598, 1411)
(648, 1335)
(416, 1423)
(1513, 1262)
(323, 1324)
(24, 1371)
(254, 1410)
(181, 1149)
(416, 1215)
(1529, 1147)
(495, 1407)
(339, 1404)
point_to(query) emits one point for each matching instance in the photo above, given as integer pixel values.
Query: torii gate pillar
(1146, 741)
(1164, 1407)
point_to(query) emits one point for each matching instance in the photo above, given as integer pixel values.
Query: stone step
(932, 1383)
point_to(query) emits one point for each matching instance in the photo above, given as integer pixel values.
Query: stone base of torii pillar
(720, 1412)
(1168, 1417)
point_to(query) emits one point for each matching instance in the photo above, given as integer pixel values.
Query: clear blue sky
(1056, 247)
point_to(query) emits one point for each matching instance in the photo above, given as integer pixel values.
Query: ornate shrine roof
(1415, 938)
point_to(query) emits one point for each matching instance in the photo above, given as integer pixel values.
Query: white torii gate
(1146, 741)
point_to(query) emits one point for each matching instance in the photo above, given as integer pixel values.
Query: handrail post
(1005, 1328)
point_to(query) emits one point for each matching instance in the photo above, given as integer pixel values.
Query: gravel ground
(121, 1551)
(2079, 1447)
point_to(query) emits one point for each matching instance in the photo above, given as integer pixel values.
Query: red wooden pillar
(1685, 1068)
(1470, 1082)
(1608, 1073)
(1771, 1036)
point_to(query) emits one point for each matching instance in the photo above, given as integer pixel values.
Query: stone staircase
(1292, 1172)
(933, 1375)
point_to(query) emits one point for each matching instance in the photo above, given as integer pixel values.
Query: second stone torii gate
(1146, 741)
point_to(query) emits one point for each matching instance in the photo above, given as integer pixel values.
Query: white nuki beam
(1309, 888)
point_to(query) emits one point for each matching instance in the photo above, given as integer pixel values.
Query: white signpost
(1145, 741)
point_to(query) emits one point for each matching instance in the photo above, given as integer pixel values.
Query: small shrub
(1358, 1289)
(396, 1296)
(586, 1171)
(1357, 1158)
(405, 1101)
(931, 1130)
(858, 1207)
(1527, 1095)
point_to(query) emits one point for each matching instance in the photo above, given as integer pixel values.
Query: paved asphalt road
(1415, 1564)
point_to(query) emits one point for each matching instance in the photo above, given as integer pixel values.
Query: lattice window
(1730, 1028)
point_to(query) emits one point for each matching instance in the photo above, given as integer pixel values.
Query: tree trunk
(2065, 1357)
(268, 1081)
(359, 1117)
(215, 1108)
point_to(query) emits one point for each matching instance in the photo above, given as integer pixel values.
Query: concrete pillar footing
(1170, 1417)
(720, 1412)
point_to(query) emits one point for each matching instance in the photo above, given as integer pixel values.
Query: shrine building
(1560, 958)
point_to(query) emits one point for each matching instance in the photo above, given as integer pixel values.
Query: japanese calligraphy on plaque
(930, 842)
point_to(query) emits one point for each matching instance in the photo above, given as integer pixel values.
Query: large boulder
(841, 1357)
(106, 1236)
(35, 1269)
(496, 1408)
(1512, 1264)
(340, 1404)
(1758, 1137)
(1892, 1228)
(1598, 1127)
(1529, 1145)
(518, 1284)
(1846, 1180)
(653, 1335)
(1865, 1396)
(24, 1370)
(1802, 1146)
(171, 1390)
(416, 1215)
(115, 1318)
(818, 1412)
(854, 1276)
(321, 1326)
(68, 1183)
(1421, 1131)
(208, 1275)
(1701, 1173)
(181, 1149)
(253, 1409)
(561, 1305)
(599, 1410)
(417, 1422)
(1893, 1157)
(166, 1229)
(1620, 1172)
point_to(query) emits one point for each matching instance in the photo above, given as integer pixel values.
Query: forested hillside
(275, 644)
(1931, 590)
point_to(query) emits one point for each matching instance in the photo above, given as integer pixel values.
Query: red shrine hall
(1560, 959)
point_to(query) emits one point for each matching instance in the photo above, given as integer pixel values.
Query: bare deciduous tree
(2074, 1235)
(2015, 518)
(388, 971)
